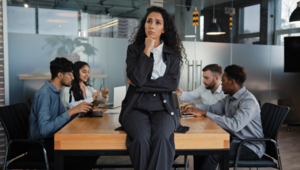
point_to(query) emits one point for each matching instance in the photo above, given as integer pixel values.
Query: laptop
(177, 105)
(119, 95)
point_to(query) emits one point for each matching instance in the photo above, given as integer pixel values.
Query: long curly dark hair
(170, 37)
(78, 95)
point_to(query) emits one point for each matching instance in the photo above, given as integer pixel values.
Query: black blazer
(139, 71)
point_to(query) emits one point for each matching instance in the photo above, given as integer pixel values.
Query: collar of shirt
(219, 89)
(158, 49)
(52, 87)
(239, 93)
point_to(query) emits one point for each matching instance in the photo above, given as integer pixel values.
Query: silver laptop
(119, 95)
(177, 105)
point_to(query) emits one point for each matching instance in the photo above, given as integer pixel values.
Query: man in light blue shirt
(48, 115)
(238, 113)
(210, 92)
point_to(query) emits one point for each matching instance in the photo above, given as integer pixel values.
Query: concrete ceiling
(119, 8)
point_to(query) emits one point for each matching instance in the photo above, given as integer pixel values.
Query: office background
(97, 31)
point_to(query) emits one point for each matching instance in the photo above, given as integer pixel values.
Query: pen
(100, 87)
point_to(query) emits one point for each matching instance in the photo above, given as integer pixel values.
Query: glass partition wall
(98, 32)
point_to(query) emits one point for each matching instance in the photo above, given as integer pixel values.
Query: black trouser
(150, 139)
(71, 162)
(210, 162)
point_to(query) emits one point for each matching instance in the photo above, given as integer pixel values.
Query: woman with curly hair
(148, 113)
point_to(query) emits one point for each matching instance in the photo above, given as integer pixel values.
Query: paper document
(115, 111)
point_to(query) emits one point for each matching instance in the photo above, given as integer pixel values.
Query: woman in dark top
(148, 113)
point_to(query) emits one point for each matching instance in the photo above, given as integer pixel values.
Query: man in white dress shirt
(211, 93)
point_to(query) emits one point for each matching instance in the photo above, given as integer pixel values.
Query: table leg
(224, 161)
(58, 161)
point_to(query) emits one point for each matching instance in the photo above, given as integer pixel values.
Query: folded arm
(168, 83)
(139, 66)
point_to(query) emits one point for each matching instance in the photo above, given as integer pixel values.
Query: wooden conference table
(96, 136)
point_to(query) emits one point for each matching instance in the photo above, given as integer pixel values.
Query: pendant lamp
(295, 17)
(214, 28)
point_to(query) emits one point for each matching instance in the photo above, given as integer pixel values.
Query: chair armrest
(251, 140)
(256, 140)
(25, 141)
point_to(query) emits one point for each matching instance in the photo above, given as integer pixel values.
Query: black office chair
(272, 117)
(14, 119)
(30, 102)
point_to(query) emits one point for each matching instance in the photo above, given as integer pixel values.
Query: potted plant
(70, 48)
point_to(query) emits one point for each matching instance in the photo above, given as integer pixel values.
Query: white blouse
(159, 67)
(89, 91)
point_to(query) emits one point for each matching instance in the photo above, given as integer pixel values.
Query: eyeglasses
(69, 74)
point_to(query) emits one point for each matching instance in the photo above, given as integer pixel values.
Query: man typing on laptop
(238, 113)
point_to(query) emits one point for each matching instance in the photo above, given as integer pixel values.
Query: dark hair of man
(237, 73)
(62, 65)
(78, 94)
(170, 37)
(214, 68)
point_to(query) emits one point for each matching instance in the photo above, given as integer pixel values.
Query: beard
(65, 84)
(211, 85)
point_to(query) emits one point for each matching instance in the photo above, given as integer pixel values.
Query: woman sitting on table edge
(80, 91)
(148, 112)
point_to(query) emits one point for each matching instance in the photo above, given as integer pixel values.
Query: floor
(288, 141)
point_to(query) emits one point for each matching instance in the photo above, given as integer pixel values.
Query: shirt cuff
(89, 100)
(145, 57)
(211, 116)
(199, 106)
(183, 96)
(103, 99)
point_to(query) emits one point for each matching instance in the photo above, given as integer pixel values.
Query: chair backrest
(272, 117)
(30, 102)
(14, 119)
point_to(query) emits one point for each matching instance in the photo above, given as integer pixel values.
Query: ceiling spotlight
(26, 4)
(85, 8)
(106, 11)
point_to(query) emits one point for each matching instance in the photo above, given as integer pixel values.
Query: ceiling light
(26, 3)
(68, 14)
(295, 17)
(190, 36)
(57, 20)
(106, 11)
(106, 25)
(214, 28)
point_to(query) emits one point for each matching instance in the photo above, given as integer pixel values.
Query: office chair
(14, 119)
(272, 117)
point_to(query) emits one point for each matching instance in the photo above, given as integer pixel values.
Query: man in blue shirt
(48, 115)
